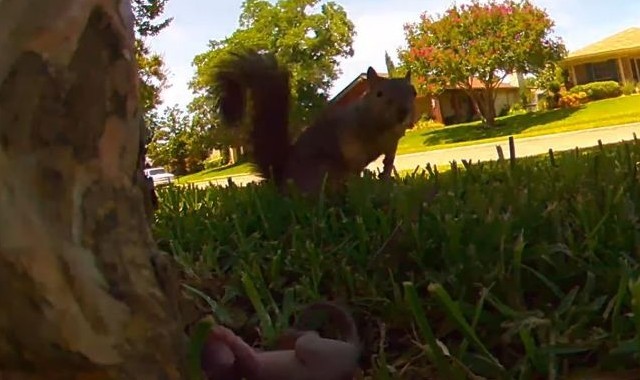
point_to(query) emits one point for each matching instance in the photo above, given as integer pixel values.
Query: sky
(378, 25)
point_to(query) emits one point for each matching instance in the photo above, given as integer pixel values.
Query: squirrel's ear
(371, 73)
(372, 77)
(408, 75)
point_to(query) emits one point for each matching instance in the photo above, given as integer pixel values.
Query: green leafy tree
(391, 67)
(168, 146)
(203, 134)
(308, 36)
(205, 124)
(483, 40)
(181, 141)
(551, 79)
(151, 67)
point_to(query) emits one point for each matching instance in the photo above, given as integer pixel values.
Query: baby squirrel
(301, 352)
(340, 142)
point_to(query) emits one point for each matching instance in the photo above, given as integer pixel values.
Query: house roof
(626, 40)
(352, 84)
(476, 83)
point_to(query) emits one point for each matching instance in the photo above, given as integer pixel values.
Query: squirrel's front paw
(385, 175)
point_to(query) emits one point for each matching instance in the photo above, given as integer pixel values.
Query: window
(156, 171)
(601, 71)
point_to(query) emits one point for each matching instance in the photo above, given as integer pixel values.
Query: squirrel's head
(391, 99)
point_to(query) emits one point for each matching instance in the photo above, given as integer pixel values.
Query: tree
(180, 141)
(391, 67)
(152, 71)
(84, 295)
(207, 135)
(482, 40)
(169, 145)
(551, 79)
(307, 39)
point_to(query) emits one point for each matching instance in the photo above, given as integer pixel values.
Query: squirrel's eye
(379, 94)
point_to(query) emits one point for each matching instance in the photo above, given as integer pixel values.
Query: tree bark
(490, 106)
(83, 291)
(485, 103)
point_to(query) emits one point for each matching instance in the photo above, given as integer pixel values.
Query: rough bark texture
(83, 293)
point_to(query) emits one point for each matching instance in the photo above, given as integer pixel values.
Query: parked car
(159, 176)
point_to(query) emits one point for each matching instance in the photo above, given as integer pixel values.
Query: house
(358, 87)
(616, 58)
(451, 106)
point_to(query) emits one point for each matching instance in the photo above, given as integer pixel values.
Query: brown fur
(341, 142)
(302, 355)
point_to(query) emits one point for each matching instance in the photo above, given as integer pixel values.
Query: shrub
(504, 111)
(193, 165)
(426, 123)
(516, 109)
(572, 100)
(629, 88)
(547, 103)
(599, 90)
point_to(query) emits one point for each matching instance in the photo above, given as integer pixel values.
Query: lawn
(527, 271)
(221, 172)
(602, 113)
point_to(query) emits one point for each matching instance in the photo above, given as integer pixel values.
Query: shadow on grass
(505, 126)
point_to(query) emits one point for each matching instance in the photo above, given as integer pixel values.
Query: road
(527, 146)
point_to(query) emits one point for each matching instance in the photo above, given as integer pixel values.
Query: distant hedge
(598, 90)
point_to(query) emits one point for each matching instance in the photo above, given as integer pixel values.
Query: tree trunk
(490, 107)
(233, 155)
(81, 292)
(486, 104)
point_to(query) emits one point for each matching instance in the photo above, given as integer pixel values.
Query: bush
(516, 109)
(571, 100)
(535, 263)
(193, 165)
(504, 111)
(629, 88)
(598, 90)
(545, 103)
(426, 123)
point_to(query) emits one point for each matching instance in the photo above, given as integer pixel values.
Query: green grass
(523, 272)
(221, 172)
(601, 113)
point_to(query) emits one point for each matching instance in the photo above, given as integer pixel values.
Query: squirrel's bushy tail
(251, 81)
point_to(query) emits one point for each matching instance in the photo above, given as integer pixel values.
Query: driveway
(527, 146)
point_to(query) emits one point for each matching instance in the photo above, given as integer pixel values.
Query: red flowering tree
(487, 40)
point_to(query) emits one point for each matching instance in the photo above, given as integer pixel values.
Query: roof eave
(602, 55)
(348, 88)
(358, 79)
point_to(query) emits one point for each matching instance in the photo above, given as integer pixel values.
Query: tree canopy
(180, 143)
(308, 36)
(150, 65)
(485, 40)
(391, 67)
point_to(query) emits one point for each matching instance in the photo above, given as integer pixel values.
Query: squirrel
(339, 143)
(324, 315)
(301, 353)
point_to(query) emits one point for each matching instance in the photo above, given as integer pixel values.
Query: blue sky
(378, 25)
